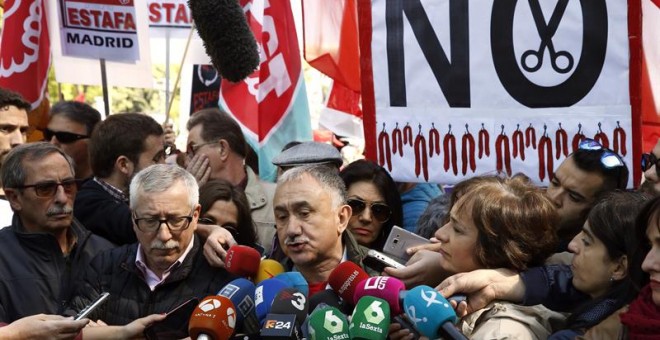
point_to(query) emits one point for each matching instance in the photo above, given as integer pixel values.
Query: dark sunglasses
(48, 189)
(649, 160)
(609, 159)
(380, 211)
(63, 137)
(231, 229)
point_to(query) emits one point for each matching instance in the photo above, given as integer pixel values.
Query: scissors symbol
(546, 32)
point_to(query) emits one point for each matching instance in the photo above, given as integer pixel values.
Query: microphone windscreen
(428, 310)
(228, 40)
(264, 295)
(327, 324)
(290, 301)
(345, 278)
(383, 287)
(268, 269)
(370, 320)
(242, 261)
(214, 317)
(296, 280)
(241, 294)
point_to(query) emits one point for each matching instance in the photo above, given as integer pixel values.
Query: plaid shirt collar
(112, 190)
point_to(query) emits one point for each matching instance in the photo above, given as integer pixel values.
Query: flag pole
(104, 84)
(178, 75)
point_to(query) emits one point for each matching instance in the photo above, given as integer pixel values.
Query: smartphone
(175, 324)
(378, 261)
(399, 240)
(92, 306)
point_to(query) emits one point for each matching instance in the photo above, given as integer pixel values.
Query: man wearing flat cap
(307, 153)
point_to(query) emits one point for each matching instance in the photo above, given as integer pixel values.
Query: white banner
(483, 83)
(99, 29)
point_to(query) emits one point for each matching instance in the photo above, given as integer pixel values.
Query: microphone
(345, 278)
(227, 37)
(431, 313)
(290, 301)
(267, 270)
(242, 261)
(213, 319)
(241, 294)
(370, 320)
(296, 280)
(264, 295)
(328, 323)
(384, 287)
(287, 312)
(330, 298)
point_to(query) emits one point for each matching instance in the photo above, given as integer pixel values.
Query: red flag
(25, 49)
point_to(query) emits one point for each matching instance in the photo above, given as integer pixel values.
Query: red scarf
(643, 317)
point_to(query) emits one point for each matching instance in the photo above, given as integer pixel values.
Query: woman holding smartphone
(375, 201)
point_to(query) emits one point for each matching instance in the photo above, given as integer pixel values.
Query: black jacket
(103, 214)
(35, 277)
(130, 296)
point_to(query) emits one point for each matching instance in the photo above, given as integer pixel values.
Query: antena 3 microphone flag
(227, 37)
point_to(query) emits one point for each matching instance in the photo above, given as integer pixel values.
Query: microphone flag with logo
(328, 323)
(370, 319)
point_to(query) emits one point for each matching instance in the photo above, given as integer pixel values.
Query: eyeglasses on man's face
(175, 224)
(62, 136)
(192, 148)
(48, 189)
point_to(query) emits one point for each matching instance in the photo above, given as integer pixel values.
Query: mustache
(170, 244)
(299, 239)
(59, 210)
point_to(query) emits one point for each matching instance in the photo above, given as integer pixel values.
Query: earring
(611, 278)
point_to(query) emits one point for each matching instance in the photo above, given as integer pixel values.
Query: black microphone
(227, 37)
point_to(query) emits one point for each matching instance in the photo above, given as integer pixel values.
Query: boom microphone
(345, 278)
(370, 320)
(384, 287)
(243, 261)
(241, 294)
(267, 270)
(328, 324)
(227, 37)
(296, 280)
(213, 319)
(431, 313)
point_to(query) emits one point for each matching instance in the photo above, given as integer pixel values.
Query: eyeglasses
(230, 228)
(63, 137)
(609, 159)
(48, 189)
(192, 148)
(175, 224)
(649, 160)
(380, 211)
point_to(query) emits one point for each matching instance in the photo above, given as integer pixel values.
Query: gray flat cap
(309, 153)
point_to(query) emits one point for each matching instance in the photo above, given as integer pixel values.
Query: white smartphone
(378, 261)
(399, 240)
(92, 306)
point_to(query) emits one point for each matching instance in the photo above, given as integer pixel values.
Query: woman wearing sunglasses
(375, 201)
(225, 205)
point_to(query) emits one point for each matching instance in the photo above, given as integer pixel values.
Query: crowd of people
(99, 206)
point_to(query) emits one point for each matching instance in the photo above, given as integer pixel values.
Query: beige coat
(610, 328)
(504, 320)
(260, 197)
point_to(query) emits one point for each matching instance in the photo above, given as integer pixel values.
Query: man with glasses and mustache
(311, 216)
(167, 266)
(70, 125)
(13, 132)
(45, 248)
(119, 148)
